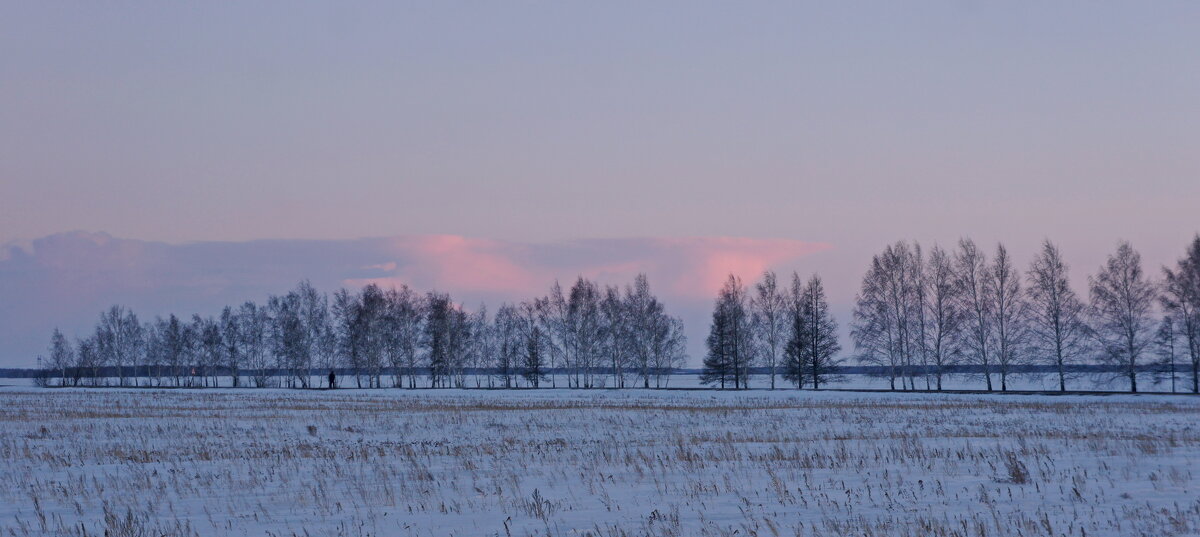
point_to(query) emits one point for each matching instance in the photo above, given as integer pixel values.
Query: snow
(594, 462)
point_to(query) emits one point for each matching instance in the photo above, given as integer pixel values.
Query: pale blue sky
(542, 121)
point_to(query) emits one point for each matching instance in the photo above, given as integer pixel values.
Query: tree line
(786, 329)
(597, 335)
(920, 313)
(919, 316)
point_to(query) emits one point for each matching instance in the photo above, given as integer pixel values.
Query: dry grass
(112, 462)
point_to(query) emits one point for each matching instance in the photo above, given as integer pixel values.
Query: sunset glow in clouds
(685, 267)
(67, 279)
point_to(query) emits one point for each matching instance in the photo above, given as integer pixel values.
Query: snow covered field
(601, 463)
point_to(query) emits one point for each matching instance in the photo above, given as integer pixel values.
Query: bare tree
(288, 335)
(481, 348)
(915, 282)
(1166, 341)
(730, 339)
(874, 329)
(459, 344)
(254, 333)
(358, 328)
(1058, 324)
(154, 350)
(211, 349)
(795, 369)
(232, 338)
(1008, 310)
(943, 315)
(312, 310)
(510, 343)
(370, 314)
(1181, 300)
(584, 330)
(402, 327)
(1122, 302)
(536, 341)
(974, 282)
(87, 359)
(668, 347)
(768, 309)
(641, 308)
(813, 342)
(119, 336)
(555, 332)
(62, 356)
(618, 333)
(174, 337)
(439, 312)
(886, 315)
(343, 310)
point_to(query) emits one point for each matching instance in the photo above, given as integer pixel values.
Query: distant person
(332, 380)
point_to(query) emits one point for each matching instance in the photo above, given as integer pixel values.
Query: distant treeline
(594, 334)
(919, 316)
(838, 372)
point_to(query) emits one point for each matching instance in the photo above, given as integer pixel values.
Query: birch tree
(768, 309)
(1166, 343)
(943, 316)
(119, 336)
(641, 307)
(1058, 325)
(232, 338)
(668, 347)
(1122, 303)
(62, 355)
(1181, 300)
(1008, 310)
(886, 314)
(584, 330)
(618, 333)
(974, 282)
(402, 333)
(255, 334)
(509, 343)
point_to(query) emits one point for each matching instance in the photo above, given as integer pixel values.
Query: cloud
(464, 264)
(692, 267)
(65, 280)
(706, 262)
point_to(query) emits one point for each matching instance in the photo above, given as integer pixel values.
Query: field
(601, 463)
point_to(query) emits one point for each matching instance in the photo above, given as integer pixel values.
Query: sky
(537, 125)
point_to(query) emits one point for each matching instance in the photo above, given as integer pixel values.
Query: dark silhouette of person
(332, 380)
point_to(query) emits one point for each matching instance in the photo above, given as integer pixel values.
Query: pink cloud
(682, 267)
(452, 262)
(708, 261)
